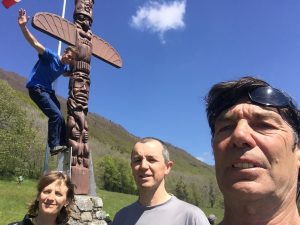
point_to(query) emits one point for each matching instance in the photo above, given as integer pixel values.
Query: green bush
(115, 175)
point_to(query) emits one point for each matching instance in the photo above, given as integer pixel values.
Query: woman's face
(53, 197)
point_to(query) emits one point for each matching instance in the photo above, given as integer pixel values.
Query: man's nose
(242, 135)
(144, 164)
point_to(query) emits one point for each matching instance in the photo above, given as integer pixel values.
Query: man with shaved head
(150, 163)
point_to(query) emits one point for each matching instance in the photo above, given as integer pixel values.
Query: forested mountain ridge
(110, 143)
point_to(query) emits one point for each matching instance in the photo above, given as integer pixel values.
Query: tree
(195, 197)
(116, 175)
(128, 184)
(112, 177)
(181, 190)
(211, 194)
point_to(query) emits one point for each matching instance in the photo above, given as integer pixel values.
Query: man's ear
(297, 152)
(169, 166)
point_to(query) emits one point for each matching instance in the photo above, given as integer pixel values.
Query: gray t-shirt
(172, 212)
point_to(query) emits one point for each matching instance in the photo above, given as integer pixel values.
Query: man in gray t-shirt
(150, 163)
(171, 212)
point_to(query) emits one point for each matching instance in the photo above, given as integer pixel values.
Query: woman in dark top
(53, 201)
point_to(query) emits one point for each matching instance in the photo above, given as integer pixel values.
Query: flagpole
(63, 16)
(54, 84)
(63, 156)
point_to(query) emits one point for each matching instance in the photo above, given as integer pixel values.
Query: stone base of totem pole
(87, 210)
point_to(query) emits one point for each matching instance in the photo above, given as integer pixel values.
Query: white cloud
(160, 17)
(207, 157)
(202, 159)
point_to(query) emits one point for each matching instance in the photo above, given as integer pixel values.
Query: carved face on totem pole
(81, 90)
(83, 14)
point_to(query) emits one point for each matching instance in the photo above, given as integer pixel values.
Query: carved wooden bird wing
(65, 31)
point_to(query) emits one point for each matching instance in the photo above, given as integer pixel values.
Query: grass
(113, 201)
(218, 212)
(15, 198)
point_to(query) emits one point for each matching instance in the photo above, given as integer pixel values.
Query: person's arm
(23, 19)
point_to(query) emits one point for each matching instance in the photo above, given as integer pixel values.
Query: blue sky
(173, 52)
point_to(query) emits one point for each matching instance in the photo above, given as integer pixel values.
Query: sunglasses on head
(264, 96)
(272, 97)
(268, 96)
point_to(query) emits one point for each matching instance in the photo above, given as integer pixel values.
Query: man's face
(254, 153)
(68, 57)
(148, 165)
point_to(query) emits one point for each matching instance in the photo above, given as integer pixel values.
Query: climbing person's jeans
(48, 103)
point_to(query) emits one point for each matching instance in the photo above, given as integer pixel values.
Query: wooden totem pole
(78, 34)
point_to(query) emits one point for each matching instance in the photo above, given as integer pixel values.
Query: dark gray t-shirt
(172, 212)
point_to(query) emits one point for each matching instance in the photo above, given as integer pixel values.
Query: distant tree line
(202, 194)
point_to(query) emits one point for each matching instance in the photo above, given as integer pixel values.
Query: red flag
(9, 3)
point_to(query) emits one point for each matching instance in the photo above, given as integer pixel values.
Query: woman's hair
(44, 181)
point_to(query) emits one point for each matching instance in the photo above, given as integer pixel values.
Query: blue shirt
(46, 70)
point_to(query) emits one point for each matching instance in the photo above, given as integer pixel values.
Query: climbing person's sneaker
(57, 149)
